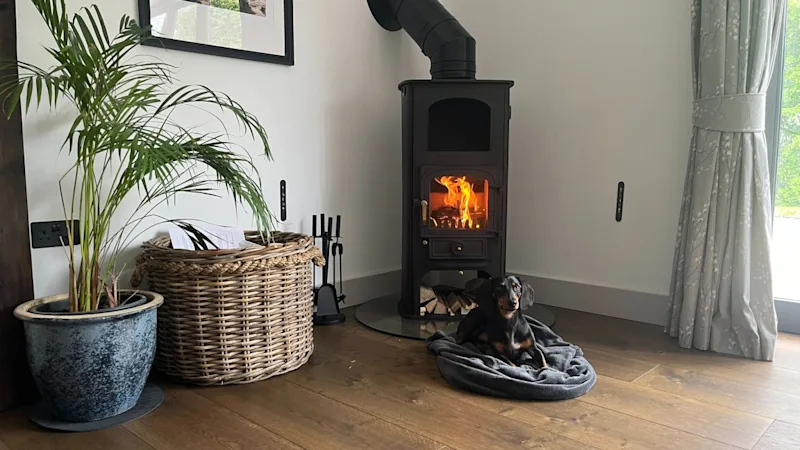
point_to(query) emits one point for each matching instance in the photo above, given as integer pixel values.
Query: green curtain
(721, 292)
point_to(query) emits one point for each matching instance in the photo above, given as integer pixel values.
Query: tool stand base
(332, 319)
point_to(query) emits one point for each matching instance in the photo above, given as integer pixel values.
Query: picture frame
(255, 30)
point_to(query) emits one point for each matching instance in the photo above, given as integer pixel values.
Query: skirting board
(631, 305)
(619, 303)
(360, 290)
(788, 315)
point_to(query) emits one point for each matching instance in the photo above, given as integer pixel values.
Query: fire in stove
(457, 204)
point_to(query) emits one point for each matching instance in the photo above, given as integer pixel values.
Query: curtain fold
(721, 292)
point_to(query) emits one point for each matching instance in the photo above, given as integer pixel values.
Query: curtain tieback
(738, 113)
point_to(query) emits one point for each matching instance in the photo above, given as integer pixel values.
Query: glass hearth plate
(381, 315)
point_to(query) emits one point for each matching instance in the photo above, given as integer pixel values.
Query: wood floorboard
(744, 396)
(764, 375)
(311, 420)
(608, 429)
(787, 353)
(189, 421)
(586, 423)
(363, 389)
(592, 424)
(346, 346)
(780, 436)
(703, 419)
(422, 407)
(19, 433)
(617, 366)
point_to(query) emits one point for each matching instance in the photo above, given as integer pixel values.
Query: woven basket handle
(145, 264)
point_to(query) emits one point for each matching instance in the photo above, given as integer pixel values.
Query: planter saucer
(151, 397)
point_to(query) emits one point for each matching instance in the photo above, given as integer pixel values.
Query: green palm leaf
(123, 139)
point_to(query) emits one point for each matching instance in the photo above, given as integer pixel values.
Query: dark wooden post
(16, 278)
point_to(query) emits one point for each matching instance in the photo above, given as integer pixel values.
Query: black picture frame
(287, 59)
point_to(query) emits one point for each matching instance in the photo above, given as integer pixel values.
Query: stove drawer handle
(424, 205)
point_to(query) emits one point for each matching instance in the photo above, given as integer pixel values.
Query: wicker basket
(232, 316)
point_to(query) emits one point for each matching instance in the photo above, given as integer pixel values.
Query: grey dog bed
(472, 367)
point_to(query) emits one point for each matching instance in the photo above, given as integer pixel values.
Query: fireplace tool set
(326, 298)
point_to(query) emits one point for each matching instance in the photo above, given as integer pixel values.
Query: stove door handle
(424, 205)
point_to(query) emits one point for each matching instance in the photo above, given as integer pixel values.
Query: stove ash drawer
(457, 248)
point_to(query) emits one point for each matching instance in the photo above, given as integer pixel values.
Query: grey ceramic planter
(90, 366)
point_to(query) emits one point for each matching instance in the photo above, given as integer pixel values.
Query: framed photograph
(258, 30)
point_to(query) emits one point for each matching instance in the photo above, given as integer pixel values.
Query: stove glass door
(458, 202)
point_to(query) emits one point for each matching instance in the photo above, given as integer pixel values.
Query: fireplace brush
(326, 298)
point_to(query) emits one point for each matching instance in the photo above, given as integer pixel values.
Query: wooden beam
(16, 277)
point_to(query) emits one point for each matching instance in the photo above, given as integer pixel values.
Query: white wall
(333, 120)
(603, 94)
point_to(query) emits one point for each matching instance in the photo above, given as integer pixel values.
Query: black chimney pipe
(449, 46)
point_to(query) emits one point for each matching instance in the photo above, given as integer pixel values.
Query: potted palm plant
(90, 350)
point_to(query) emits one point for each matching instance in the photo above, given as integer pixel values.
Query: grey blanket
(472, 367)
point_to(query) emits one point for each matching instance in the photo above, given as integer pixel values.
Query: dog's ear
(527, 298)
(480, 290)
(484, 295)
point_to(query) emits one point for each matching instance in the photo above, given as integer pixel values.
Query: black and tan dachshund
(498, 320)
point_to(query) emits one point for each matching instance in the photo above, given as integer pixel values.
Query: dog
(498, 320)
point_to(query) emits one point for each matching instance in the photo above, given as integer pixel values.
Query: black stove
(455, 153)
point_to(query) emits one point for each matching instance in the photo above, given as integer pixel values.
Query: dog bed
(472, 367)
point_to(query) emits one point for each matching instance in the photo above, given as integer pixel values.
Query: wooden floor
(366, 390)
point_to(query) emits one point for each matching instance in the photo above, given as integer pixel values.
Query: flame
(460, 195)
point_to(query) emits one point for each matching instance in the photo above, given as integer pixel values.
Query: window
(784, 143)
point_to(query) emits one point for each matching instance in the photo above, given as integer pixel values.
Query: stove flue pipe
(442, 39)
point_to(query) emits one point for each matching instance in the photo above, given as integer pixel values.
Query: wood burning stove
(455, 153)
(455, 173)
